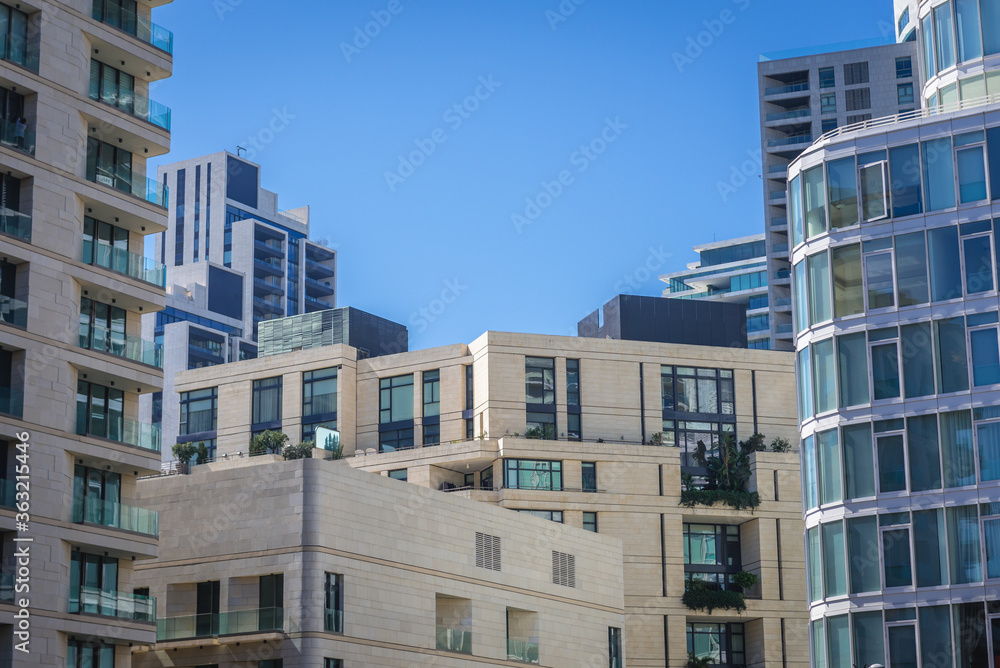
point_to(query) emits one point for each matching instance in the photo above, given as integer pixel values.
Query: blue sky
(495, 165)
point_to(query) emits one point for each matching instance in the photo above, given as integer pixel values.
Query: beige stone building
(566, 429)
(76, 129)
(309, 562)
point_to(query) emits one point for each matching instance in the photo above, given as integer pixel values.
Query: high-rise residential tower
(804, 94)
(233, 260)
(76, 129)
(894, 228)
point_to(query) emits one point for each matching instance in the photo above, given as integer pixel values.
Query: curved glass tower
(895, 229)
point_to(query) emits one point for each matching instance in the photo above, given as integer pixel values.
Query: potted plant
(268, 443)
(183, 453)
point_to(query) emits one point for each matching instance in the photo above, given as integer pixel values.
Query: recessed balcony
(117, 604)
(124, 262)
(237, 623)
(105, 340)
(122, 179)
(137, 105)
(112, 14)
(122, 430)
(13, 311)
(113, 515)
(15, 224)
(11, 402)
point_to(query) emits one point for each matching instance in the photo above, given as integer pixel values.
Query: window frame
(865, 257)
(257, 388)
(514, 466)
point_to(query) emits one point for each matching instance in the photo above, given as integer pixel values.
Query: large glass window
(957, 450)
(885, 371)
(824, 376)
(432, 393)
(795, 210)
(319, 401)
(81, 654)
(971, 174)
(820, 306)
(859, 462)
(848, 282)
(532, 474)
(540, 380)
(94, 585)
(897, 566)
(721, 644)
(990, 15)
(852, 362)
(946, 271)
(801, 296)
(838, 641)
(891, 463)
(985, 356)
(112, 86)
(107, 164)
(878, 278)
(810, 483)
(902, 645)
(615, 647)
(804, 386)
(923, 452)
(970, 46)
(912, 283)
(963, 544)
(814, 564)
(333, 603)
(815, 201)
(834, 559)
(904, 163)
(541, 425)
(831, 489)
(944, 32)
(988, 440)
(697, 390)
(930, 546)
(872, 172)
(862, 536)
(99, 411)
(927, 30)
(991, 537)
(573, 382)
(712, 554)
(918, 366)
(939, 174)
(842, 181)
(978, 256)
(199, 411)
(266, 401)
(396, 399)
(869, 642)
(827, 77)
(952, 360)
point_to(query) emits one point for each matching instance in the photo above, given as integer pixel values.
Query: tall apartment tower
(801, 98)
(732, 271)
(76, 130)
(233, 260)
(894, 228)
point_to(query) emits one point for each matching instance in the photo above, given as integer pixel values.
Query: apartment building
(732, 271)
(312, 563)
(893, 226)
(76, 131)
(803, 95)
(587, 433)
(233, 260)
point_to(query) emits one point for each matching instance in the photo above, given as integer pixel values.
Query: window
(918, 366)
(695, 390)
(852, 363)
(978, 259)
(99, 411)
(14, 37)
(589, 476)
(614, 647)
(469, 404)
(395, 399)
(939, 174)
(93, 588)
(855, 73)
(319, 401)
(686, 435)
(432, 393)
(541, 426)
(820, 297)
(108, 165)
(904, 65)
(430, 434)
(333, 663)
(470, 429)
(885, 366)
(590, 524)
(551, 515)
(112, 86)
(907, 197)
(390, 440)
(106, 246)
(842, 183)
(712, 555)
(199, 411)
(859, 466)
(532, 474)
(912, 281)
(815, 201)
(881, 292)
(80, 654)
(540, 384)
(971, 173)
(848, 282)
(828, 103)
(990, 513)
(858, 99)
(827, 77)
(795, 210)
(828, 125)
(904, 93)
(721, 644)
(862, 539)
(944, 36)
(858, 118)
(398, 474)
(897, 566)
(824, 376)
(573, 382)
(333, 603)
(266, 403)
(834, 559)
(573, 431)
(102, 328)
(118, 13)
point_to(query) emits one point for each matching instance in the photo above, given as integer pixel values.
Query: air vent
(487, 551)
(563, 569)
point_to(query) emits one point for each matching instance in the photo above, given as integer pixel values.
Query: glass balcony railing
(321, 270)
(8, 489)
(522, 650)
(784, 329)
(454, 640)
(263, 265)
(122, 261)
(777, 194)
(118, 604)
(777, 169)
(313, 301)
(779, 222)
(782, 274)
(91, 510)
(794, 88)
(101, 338)
(269, 247)
(124, 430)
(13, 311)
(268, 306)
(111, 13)
(136, 185)
(782, 115)
(273, 286)
(319, 286)
(19, 50)
(137, 105)
(789, 141)
(261, 620)
(15, 223)
(11, 402)
(17, 136)
(780, 248)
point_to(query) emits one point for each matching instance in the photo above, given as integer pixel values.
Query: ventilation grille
(563, 569)
(487, 551)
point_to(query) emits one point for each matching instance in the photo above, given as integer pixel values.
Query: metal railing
(101, 338)
(259, 620)
(794, 88)
(91, 510)
(111, 13)
(124, 262)
(117, 604)
(925, 112)
(522, 650)
(454, 640)
(138, 105)
(136, 185)
(273, 307)
(777, 169)
(13, 311)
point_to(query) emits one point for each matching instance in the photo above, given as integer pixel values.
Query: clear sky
(507, 165)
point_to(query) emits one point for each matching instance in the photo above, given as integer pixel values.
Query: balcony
(523, 651)
(274, 288)
(114, 515)
(15, 224)
(17, 136)
(123, 262)
(777, 169)
(11, 402)
(267, 267)
(137, 105)
(781, 222)
(110, 13)
(125, 181)
(777, 194)
(783, 274)
(239, 622)
(454, 640)
(780, 248)
(130, 432)
(317, 303)
(781, 90)
(790, 141)
(117, 604)
(268, 306)
(21, 50)
(318, 270)
(100, 338)
(13, 311)
(273, 249)
(319, 287)
(784, 115)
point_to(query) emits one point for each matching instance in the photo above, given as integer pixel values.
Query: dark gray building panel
(664, 320)
(371, 335)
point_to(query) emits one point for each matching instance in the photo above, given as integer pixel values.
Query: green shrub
(268, 443)
(656, 439)
(745, 580)
(300, 451)
(739, 500)
(184, 452)
(698, 597)
(780, 445)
